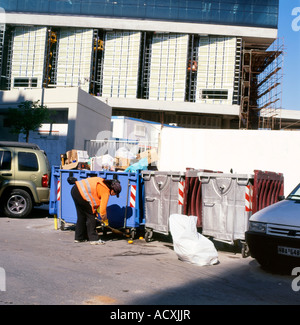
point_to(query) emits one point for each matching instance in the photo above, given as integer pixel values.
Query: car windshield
(295, 194)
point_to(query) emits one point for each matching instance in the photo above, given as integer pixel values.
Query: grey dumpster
(226, 205)
(161, 200)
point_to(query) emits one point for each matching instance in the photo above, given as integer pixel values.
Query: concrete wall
(264, 35)
(242, 150)
(87, 116)
(92, 118)
(131, 128)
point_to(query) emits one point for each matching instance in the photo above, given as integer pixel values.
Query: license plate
(289, 251)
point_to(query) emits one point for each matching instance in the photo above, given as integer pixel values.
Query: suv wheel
(17, 203)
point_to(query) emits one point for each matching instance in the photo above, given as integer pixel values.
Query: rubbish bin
(163, 197)
(268, 187)
(123, 212)
(193, 194)
(225, 205)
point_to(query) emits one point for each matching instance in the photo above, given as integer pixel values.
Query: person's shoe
(97, 242)
(80, 241)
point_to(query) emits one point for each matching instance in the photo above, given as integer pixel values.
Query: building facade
(181, 62)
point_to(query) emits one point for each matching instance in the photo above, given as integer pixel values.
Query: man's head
(116, 188)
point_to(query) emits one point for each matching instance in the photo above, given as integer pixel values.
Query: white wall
(52, 138)
(92, 117)
(134, 129)
(263, 35)
(87, 116)
(242, 150)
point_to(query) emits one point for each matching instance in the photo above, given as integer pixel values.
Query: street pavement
(43, 266)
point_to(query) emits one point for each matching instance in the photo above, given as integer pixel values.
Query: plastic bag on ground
(189, 245)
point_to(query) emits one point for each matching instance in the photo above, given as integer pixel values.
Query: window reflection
(239, 12)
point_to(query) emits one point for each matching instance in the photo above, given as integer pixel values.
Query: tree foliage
(29, 116)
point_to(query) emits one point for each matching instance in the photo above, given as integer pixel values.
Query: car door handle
(6, 174)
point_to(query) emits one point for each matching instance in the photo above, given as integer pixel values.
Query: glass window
(214, 94)
(5, 160)
(295, 194)
(33, 6)
(25, 82)
(65, 6)
(27, 161)
(93, 8)
(263, 13)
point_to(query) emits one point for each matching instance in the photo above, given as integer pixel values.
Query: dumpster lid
(221, 175)
(168, 173)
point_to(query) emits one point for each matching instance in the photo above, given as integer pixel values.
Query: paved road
(44, 266)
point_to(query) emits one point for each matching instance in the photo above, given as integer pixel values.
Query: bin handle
(176, 178)
(208, 204)
(149, 199)
(242, 181)
(204, 179)
(146, 177)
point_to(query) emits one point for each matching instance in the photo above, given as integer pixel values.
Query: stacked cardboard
(73, 158)
(79, 159)
(150, 154)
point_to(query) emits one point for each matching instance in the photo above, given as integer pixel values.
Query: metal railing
(96, 148)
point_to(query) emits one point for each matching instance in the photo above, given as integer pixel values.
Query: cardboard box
(73, 158)
(122, 163)
(150, 154)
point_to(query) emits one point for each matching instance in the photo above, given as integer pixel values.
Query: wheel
(132, 233)
(148, 235)
(264, 262)
(104, 231)
(245, 250)
(62, 225)
(17, 204)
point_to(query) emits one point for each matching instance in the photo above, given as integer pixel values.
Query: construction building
(199, 64)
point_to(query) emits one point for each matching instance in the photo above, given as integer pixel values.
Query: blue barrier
(122, 212)
(53, 199)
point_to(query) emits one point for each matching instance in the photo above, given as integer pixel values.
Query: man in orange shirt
(90, 194)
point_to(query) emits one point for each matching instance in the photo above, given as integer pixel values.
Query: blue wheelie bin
(123, 212)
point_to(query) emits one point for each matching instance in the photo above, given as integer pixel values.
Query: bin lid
(168, 173)
(222, 175)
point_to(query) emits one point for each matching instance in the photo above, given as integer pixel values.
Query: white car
(273, 236)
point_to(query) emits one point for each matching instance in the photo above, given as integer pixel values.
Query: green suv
(24, 178)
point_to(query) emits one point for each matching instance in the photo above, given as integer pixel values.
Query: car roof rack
(19, 144)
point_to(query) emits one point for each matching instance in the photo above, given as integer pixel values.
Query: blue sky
(289, 31)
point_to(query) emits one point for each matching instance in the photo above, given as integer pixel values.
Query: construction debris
(79, 159)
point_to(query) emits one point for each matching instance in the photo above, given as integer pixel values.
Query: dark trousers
(86, 223)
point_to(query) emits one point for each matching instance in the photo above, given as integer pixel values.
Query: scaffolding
(97, 63)
(50, 68)
(261, 89)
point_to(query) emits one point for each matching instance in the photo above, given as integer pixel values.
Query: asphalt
(43, 266)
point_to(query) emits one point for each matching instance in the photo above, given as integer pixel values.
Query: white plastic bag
(189, 245)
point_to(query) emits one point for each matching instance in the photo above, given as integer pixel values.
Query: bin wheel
(148, 235)
(62, 225)
(132, 233)
(245, 250)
